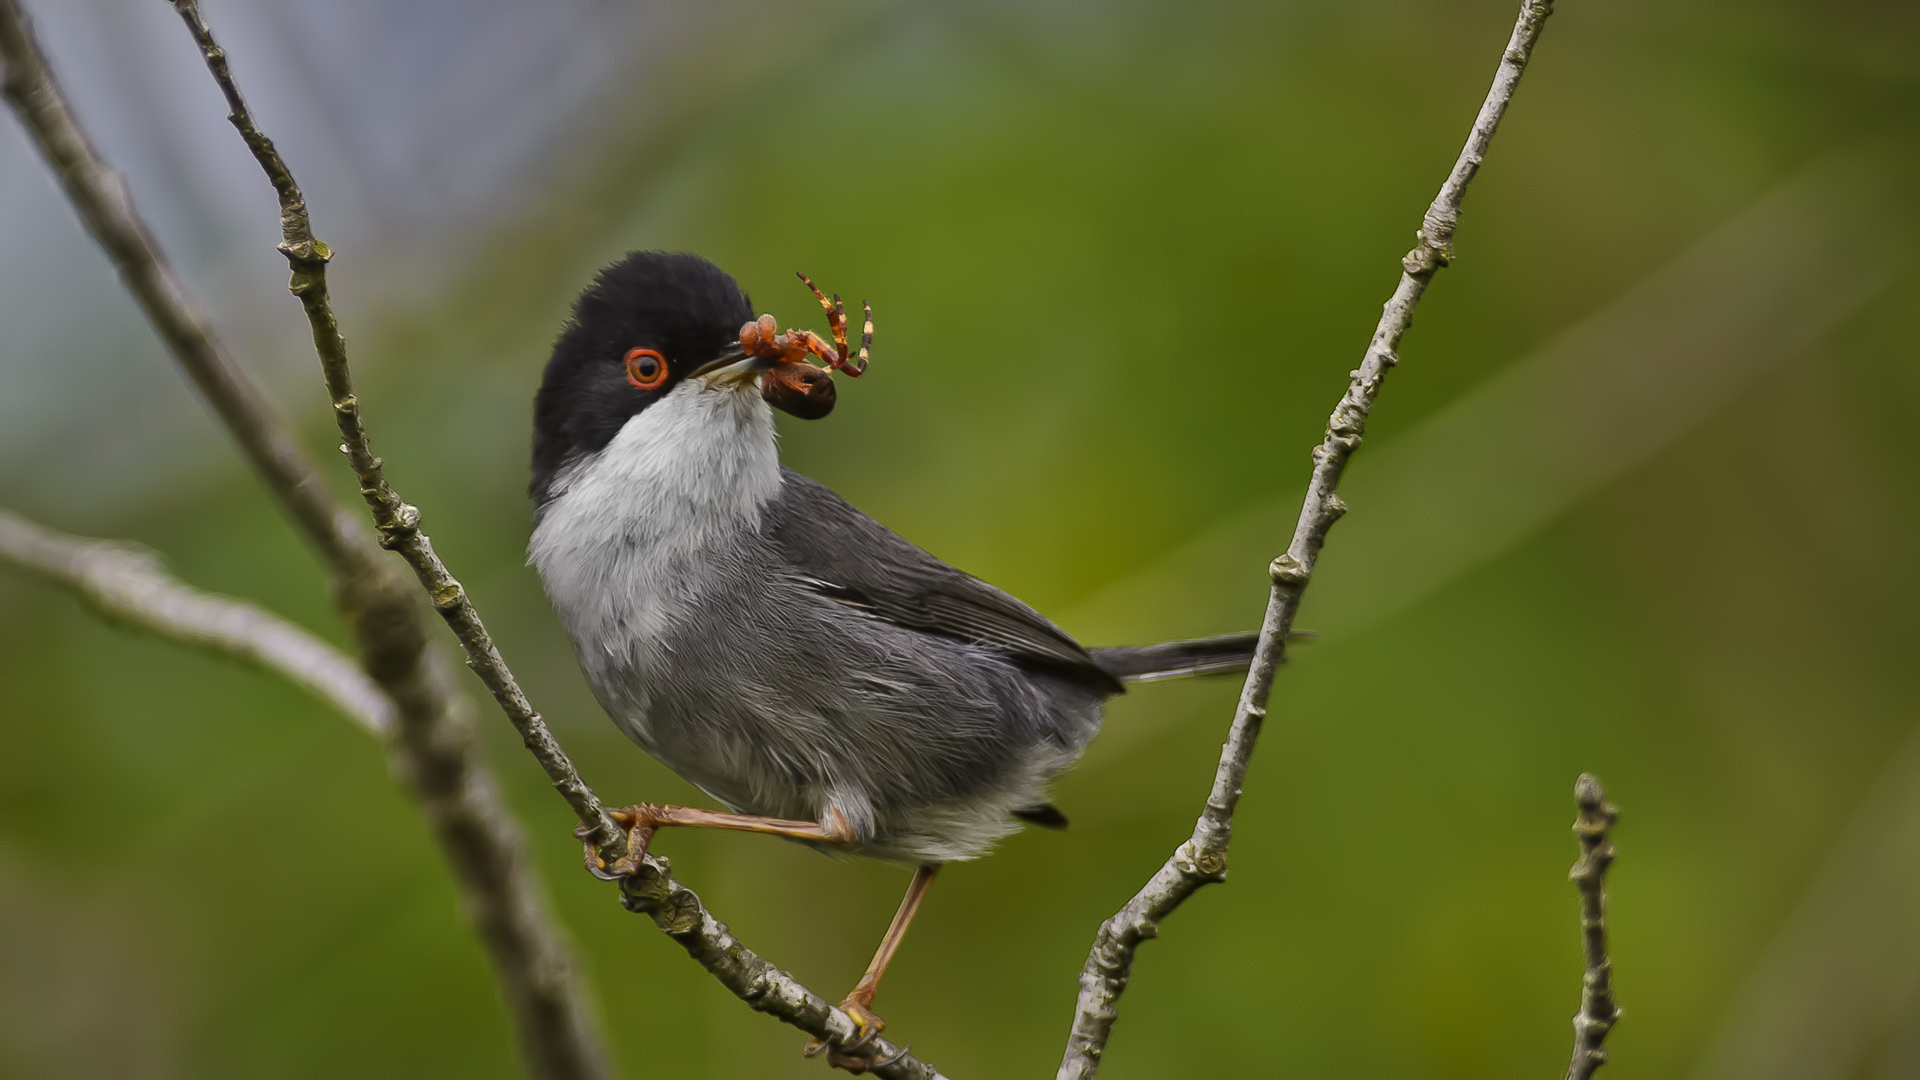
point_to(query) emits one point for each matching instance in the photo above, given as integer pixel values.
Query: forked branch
(1202, 859)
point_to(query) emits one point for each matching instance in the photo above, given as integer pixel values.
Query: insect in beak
(791, 383)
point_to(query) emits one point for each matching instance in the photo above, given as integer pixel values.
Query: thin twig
(1598, 1011)
(652, 891)
(397, 521)
(127, 584)
(1202, 859)
(434, 746)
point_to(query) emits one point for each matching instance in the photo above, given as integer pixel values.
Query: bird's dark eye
(646, 369)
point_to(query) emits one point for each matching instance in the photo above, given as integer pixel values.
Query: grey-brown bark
(652, 890)
(1202, 859)
(126, 584)
(433, 746)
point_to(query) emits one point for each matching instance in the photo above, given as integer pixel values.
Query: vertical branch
(433, 747)
(1598, 1011)
(1202, 859)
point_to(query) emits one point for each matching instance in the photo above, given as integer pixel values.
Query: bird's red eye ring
(646, 369)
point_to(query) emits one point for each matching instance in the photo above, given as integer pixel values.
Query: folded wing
(851, 559)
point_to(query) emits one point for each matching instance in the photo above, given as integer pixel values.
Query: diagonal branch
(397, 521)
(127, 584)
(1202, 859)
(652, 891)
(434, 746)
(1598, 1010)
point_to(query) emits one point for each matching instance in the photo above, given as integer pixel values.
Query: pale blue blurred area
(410, 126)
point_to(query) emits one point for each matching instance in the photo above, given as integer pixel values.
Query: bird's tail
(1227, 654)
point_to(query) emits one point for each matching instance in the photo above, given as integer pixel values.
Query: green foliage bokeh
(1121, 260)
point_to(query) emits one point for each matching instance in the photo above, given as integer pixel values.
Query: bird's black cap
(678, 305)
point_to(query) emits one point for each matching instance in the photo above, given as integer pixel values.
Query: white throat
(620, 543)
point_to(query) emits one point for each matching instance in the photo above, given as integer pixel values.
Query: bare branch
(1598, 1011)
(127, 584)
(1202, 859)
(434, 748)
(652, 890)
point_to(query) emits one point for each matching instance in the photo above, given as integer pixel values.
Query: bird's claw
(639, 829)
(856, 1057)
(891, 1059)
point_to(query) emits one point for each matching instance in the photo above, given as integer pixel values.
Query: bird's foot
(639, 825)
(858, 1056)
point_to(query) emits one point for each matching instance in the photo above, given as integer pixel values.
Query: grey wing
(850, 558)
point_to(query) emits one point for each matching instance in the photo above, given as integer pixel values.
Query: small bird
(816, 674)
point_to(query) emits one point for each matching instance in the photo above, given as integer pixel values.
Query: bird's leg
(859, 1004)
(645, 819)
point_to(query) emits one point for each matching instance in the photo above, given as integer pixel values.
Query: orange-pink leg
(645, 819)
(858, 1004)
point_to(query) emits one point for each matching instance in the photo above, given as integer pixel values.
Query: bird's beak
(732, 368)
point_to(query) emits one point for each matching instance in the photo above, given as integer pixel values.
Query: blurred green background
(1640, 500)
